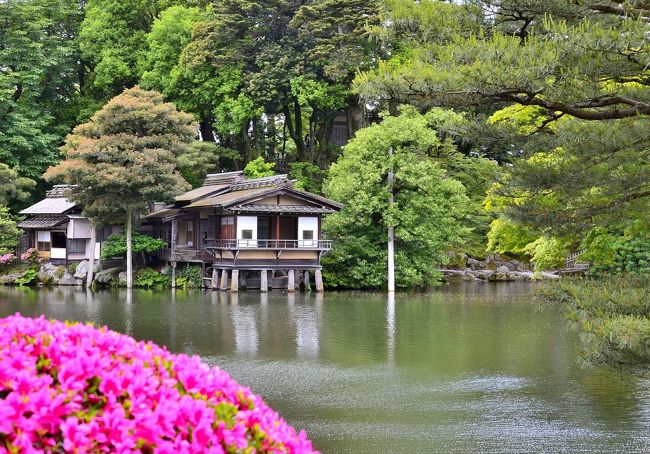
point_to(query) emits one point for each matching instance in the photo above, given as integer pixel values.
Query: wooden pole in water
(391, 229)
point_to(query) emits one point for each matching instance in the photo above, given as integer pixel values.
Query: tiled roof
(203, 191)
(222, 178)
(45, 222)
(288, 209)
(58, 191)
(265, 182)
(230, 197)
(57, 205)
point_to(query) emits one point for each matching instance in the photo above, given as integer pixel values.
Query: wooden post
(291, 282)
(391, 229)
(224, 280)
(172, 255)
(91, 259)
(214, 283)
(173, 274)
(306, 282)
(234, 281)
(264, 281)
(318, 277)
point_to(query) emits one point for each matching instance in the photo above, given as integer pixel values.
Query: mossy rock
(59, 272)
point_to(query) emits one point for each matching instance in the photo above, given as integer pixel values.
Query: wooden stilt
(234, 281)
(214, 283)
(224, 280)
(291, 283)
(264, 281)
(173, 274)
(305, 281)
(318, 277)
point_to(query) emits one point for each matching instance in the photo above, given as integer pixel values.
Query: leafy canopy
(126, 156)
(428, 213)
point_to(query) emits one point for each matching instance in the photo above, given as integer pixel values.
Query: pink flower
(96, 390)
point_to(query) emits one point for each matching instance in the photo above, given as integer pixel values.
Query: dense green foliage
(556, 92)
(189, 276)
(9, 233)
(115, 245)
(559, 88)
(613, 315)
(150, 278)
(428, 213)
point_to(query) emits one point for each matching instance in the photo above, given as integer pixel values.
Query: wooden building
(252, 232)
(56, 227)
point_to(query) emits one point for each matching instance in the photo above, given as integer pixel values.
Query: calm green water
(472, 368)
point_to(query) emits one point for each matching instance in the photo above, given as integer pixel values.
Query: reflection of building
(58, 230)
(264, 228)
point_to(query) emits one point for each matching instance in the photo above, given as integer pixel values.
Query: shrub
(115, 245)
(59, 272)
(189, 277)
(27, 278)
(7, 259)
(76, 388)
(31, 256)
(150, 278)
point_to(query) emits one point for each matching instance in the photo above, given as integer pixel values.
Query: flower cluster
(75, 388)
(8, 258)
(31, 255)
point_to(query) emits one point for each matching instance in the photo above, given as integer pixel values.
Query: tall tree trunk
(295, 132)
(205, 128)
(355, 117)
(391, 229)
(129, 249)
(91, 259)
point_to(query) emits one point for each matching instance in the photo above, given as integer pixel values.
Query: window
(43, 241)
(247, 234)
(59, 240)
(190, 233)
(307, 234)
(77, 246)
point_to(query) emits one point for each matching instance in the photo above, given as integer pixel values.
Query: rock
(82, 270)
(499, 277)
(482, 274)
(121, 278)
(104, 277)
(45, 277)
(475, 264)
(9, 279)
(503, 269)
(521, 275)
(457, 260)
(68, 279)
(549, 276)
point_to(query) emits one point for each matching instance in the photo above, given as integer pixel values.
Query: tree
(428, 213)
(567, 86)
(13, 187)
(39, 79)
(125, 158)
(9, 233)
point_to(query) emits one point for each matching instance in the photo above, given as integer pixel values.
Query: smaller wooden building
(253, 232)
(56, 227)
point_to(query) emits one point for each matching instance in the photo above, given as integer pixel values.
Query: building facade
(56, 228)
(258, 233)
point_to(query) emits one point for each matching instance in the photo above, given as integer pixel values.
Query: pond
(466, 368)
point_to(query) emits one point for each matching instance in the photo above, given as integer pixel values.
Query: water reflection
(466, 368)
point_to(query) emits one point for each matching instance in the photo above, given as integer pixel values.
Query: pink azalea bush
(75, 388)
(31, 255)
(8, 258)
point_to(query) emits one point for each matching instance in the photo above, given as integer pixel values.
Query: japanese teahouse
(56, 227)
(246, 231)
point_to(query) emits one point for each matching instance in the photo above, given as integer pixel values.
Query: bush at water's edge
(76, 388)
